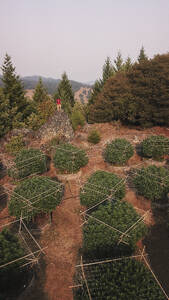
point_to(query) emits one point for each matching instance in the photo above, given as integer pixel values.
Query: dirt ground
(64, 237)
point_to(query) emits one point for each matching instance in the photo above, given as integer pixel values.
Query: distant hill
(83, 94)
(51, 84)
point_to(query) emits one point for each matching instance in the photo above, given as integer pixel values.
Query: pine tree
(142, 56)
(128, 64)
(98, 85)
(40, 93)
(13, 91)
(64, 92)
(5, 124)
(119, 65)
(107, 70)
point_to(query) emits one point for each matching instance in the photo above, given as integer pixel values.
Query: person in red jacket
(58, 102)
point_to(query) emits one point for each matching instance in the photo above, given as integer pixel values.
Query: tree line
(17, 111)
(136, 94)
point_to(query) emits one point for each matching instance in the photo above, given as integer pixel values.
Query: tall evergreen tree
(107, 70)
(119, 65)
(13, 91)
(64, 92)
(96, 89)
(142, 56)
(40, 93)
(128, 64)
(5, 124)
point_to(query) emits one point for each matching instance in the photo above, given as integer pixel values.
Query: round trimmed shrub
(153, 183)
(126, 279)
(118, 151)
(155, 146)
(27, 162)
(69, 158)
(101, 241)
(77, 119)
(35, 195)
(101, 185)
(94, 137)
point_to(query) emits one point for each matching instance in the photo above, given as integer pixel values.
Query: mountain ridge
(50, 83)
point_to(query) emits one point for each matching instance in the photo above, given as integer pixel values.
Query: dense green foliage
(40, 93)
(101, 185)
(153, 183)
(107, 72)
(27, 162)
(14, 95)
(43, 107)
(4, 114)
(43, 194)
(69, 158)
(77, 119)
(139, 96)
(64, 92)
(15, 144)
(118, 151)
(94, 136)
(155, 146)
(43, 110)
(121, 280)
(10, 249)
(102, 241)
(142, 56)
(118, 63)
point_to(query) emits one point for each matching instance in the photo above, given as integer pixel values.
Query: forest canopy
(139, 96)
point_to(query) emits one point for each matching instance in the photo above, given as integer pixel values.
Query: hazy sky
(48, 37)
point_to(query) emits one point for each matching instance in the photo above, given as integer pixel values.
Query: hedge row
(69, 158)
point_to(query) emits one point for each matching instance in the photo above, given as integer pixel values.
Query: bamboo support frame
(85, 279)
(109, 260)
(20, 258)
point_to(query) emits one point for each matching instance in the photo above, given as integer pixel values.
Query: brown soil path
(63, 239)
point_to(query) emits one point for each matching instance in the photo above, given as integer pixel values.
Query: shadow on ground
(157, 248)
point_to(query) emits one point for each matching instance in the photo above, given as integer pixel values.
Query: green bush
(69, 159)
(94, 137)
(27, 162)
(35, 195)
(101, 185)
(10, 249)
(118, 151)
(155, 146)
(153, 183)
(120, 280)
(15, 144)
(101, 241)
(77, 119)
